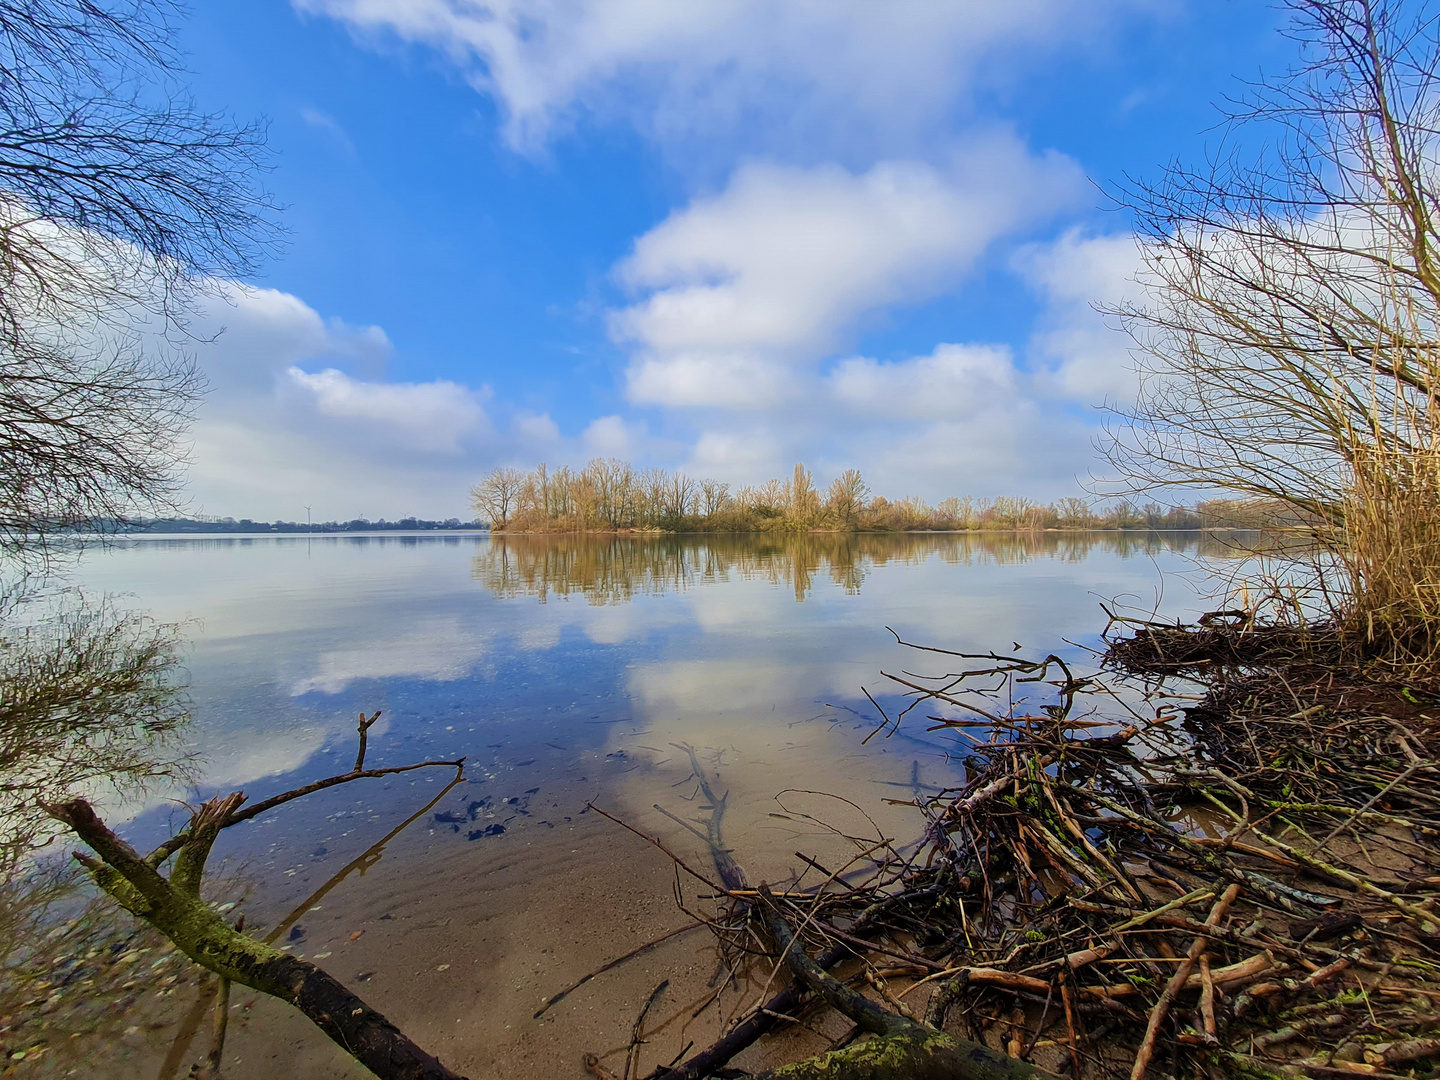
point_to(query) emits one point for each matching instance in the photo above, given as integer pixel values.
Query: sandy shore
(460, 942)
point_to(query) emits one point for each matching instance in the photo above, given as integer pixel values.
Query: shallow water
(566, 670)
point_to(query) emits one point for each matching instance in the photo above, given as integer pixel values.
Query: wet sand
(460, 942)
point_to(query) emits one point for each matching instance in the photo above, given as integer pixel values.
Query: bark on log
(175, 909)
(902, 1048)
(910, 1056)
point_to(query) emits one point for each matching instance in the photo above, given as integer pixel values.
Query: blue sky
(719, 235)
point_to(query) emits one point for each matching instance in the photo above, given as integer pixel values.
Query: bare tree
(680, 495)
(610, 479)
(651, 486)
(119, 200)
(1288, 340)
(804, 499)
(847, 496)
(1074, 512)
(494, 497)
(772, 499)
(714, 497)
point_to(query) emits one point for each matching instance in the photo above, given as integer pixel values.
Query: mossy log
(902, 1048)
(174, 907)
(910, 1055)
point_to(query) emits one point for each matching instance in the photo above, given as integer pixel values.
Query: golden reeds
(1391, 552)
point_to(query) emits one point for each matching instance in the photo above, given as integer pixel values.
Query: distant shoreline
(871, 532)
(261, 528)
(274, 528)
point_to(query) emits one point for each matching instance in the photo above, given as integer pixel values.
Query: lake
(570, 670)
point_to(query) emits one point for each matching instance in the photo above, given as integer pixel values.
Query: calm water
(567, 669)
(523, 648)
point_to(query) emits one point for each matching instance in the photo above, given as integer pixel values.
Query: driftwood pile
(1247, 886)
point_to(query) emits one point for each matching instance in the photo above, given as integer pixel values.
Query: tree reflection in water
(92, 701)
(613, 569)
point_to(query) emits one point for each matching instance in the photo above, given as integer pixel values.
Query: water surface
(566, 670)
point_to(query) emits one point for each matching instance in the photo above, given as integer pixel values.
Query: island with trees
(608, 495)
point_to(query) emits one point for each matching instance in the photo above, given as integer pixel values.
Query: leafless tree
(1074, 512)
(494, 497)
(119, 200)
(714, 497)
(1292, 301)
(847, 496)
(679, 499)
(804, 499)
(1288, 342)
(610, 479)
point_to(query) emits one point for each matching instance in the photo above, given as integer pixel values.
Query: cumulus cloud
(778, 269)
(868, 181)
(826, 72)
(744, 299)
(1083, 358)
(740, 453)
(299, 412)
(611, 436)
(952, 382)
(964, 419)
(709, 380)
(423, 416)
(536, 432)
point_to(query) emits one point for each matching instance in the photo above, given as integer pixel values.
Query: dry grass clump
(1390, 549)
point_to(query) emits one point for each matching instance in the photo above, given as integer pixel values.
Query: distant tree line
(609, 495)
(246, 525)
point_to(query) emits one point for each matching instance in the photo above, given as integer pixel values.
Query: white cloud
(274, 433)
(777, 270)
(738, 454)
(708, 380)
(1085, 359)
(423, 416)
(611, 436)
(779, 72)
(952, 382)
(868, 181)
(962, 419)
(301, 411)
(537, 432)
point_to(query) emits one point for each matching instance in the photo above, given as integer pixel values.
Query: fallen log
(174, 907)
(902, 1049)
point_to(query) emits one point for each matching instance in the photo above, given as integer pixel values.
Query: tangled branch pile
(1244, 887)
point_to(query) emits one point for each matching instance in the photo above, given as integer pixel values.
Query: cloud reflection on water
(471, 643)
